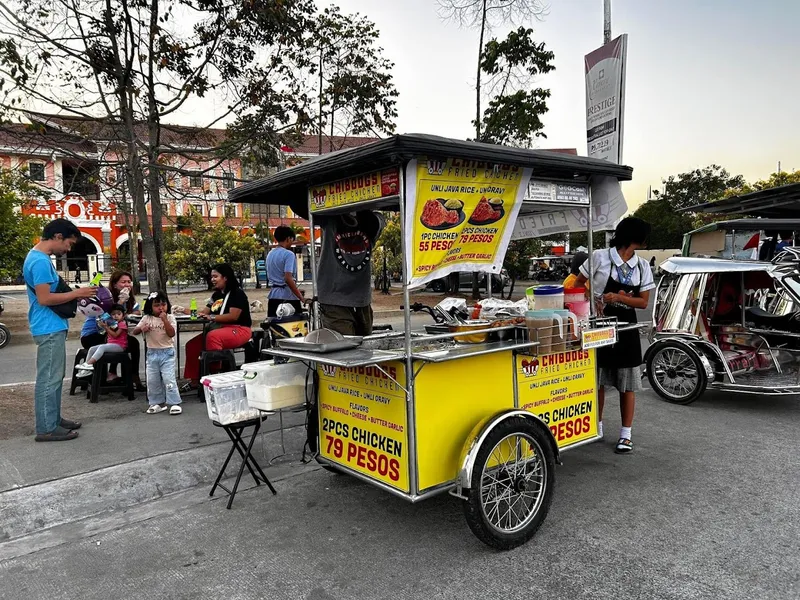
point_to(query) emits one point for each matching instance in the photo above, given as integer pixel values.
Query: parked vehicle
(5, 333)
(499, 282)
(732, 325)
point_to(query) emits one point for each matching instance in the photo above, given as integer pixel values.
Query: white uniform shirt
(608, 261)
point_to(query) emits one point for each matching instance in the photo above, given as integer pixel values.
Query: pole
(606, 21)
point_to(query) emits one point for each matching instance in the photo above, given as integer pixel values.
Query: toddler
(159, 327)
(116, 330)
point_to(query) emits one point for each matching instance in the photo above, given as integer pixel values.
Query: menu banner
(353, 190)
(460, 215)
(561, 389)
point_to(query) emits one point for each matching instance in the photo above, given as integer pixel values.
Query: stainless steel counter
(468, 350)
(356, 357)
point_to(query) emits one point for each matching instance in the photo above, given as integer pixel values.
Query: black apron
(627, 352)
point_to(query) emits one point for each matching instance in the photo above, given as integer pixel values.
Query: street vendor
(344, 273)
(625, 280)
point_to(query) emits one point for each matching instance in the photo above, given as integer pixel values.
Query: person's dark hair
(226, 271)
(787, 235)
(66, 228)
(156, 297)
(283, 233)
(631, 230)
(118, 307)
(577, 261)
(112, 284)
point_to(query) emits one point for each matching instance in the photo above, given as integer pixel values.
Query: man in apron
(621, 284)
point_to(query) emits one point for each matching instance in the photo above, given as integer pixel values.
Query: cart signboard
(561, 389)
(354, 190)
(460, 215)
(362, 421)
(597, 338)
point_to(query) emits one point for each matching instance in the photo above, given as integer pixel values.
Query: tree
(484, 14)
(131, 64)
(513, 116)
(697, 187)
(518, 259)
(355, 92)
(18, 232)
(390, 246)
(668, 225)
(191, 254)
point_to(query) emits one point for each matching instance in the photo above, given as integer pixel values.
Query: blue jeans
(51, 365)
(161, 383)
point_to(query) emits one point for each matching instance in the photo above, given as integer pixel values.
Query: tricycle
(476, 414)
(5, 332)
(731, 325)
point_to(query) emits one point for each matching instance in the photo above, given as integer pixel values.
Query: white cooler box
(226, 398)
(272, 387)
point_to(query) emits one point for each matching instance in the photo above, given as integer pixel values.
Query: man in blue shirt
(282, 273)
(49, 330)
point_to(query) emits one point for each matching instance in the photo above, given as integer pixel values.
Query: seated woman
(229, 311)
(121, 284)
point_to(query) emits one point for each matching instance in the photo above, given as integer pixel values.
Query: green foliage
(18, 232)
(668, 225)
(513, 116)
(190, 256)
(698, 186)
(518, 259)
(390, 244)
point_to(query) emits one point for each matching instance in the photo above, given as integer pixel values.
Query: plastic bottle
(96, 279)
(193, 309)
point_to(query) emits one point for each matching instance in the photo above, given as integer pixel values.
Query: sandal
(71, 425)
(59, 434)
(175, 409)
(156, 408)
(624, 445)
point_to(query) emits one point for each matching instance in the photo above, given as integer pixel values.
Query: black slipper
(138, 387)
(624, 445)
(59, 434)
(67, 424)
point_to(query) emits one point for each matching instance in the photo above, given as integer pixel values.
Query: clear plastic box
(226, 398)
(272, 387)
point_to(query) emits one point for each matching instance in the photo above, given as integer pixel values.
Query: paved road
(705, 507)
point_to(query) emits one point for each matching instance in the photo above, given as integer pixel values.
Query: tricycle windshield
(681, 302)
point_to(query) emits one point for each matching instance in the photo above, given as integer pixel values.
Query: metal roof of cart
(290, 186)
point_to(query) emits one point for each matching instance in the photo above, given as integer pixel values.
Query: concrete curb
(33, 508)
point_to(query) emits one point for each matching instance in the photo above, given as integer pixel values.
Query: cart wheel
(512, 485)
(5, 336)
(676, 373)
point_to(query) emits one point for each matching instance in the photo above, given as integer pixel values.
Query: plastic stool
(97, 382)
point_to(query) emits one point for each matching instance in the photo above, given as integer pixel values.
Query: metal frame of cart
(490, 430)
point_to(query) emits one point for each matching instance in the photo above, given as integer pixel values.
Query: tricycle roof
(745, 225)
(290, 186)
(683, 265)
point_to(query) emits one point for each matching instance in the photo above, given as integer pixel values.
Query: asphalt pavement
(705, 507)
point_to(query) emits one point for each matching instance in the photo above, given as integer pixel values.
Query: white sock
(625, 433)
(600, 429)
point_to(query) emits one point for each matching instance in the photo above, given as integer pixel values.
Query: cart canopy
(290, 186)
(683, 265)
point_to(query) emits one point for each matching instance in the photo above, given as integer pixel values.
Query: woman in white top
(621, 284)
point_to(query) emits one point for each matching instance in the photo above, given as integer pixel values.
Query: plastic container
(549, 297)
(226, 398)
(546, 327)
(274, 386)
(570, 330)
(580, 309)
(577, 294)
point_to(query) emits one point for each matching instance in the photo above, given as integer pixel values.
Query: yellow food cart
(419, 414)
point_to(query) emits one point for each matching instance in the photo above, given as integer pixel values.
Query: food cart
(419, 414)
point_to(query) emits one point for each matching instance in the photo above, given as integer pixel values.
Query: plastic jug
(570, 330)
(549, 297)
(576, 294)
(580, 309)
(542, 328)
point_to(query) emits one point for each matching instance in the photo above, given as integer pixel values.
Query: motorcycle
(5, 333)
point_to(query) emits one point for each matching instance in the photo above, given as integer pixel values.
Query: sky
(708, 82)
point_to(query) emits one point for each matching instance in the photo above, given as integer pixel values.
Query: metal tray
(304, 346)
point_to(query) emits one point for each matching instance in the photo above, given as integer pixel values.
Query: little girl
(159, 327)
(116, 331)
